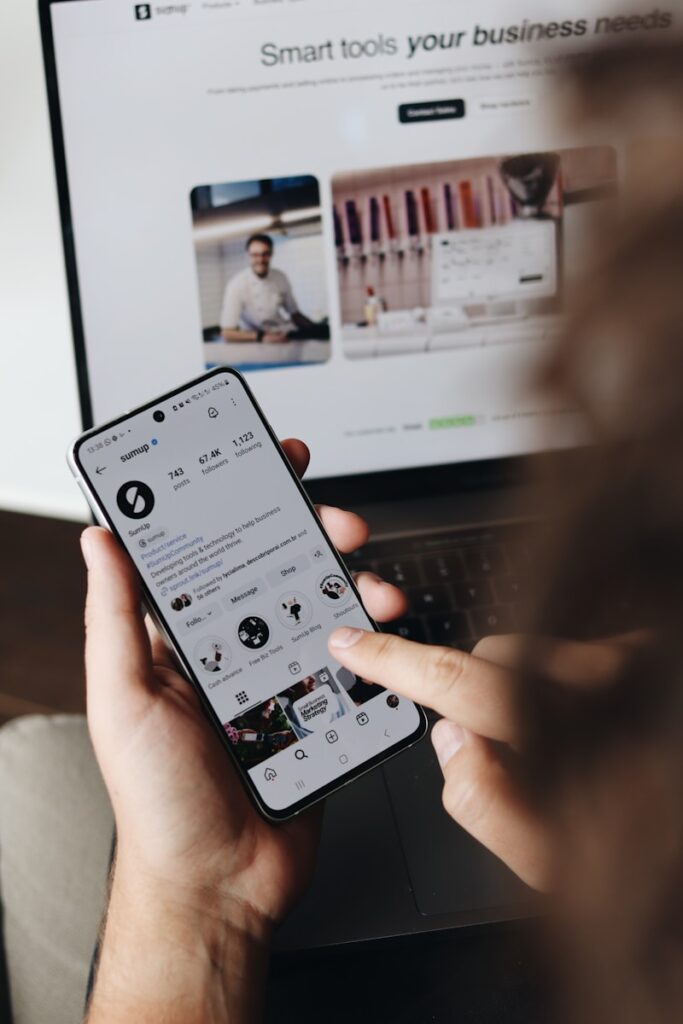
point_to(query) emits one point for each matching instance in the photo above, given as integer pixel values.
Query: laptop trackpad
(450, 872)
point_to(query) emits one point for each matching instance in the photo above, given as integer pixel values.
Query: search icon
(300, 754)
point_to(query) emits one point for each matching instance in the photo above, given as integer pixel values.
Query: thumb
(117, 650)
(481, 795)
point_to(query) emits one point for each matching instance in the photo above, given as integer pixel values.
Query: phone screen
(247, 587)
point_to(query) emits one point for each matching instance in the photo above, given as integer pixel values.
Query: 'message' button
(244, 593)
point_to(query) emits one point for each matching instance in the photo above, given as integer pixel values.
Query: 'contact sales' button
(287, 570)
(434, 110)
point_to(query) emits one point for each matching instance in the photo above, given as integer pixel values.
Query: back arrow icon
(100, 469)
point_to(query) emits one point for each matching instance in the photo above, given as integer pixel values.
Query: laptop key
(436, 598)
(366, 553)
(409, 628)
(449, 629)
(482, 562)
(442, 568)
(401, 571)
(473, 594)
(496, 619)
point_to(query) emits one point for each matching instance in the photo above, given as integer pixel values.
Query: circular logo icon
(135, 499)
(212, 654)
(334, 589)
(253, 632)
(293, 609)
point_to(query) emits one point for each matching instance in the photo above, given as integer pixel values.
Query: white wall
(38, 396)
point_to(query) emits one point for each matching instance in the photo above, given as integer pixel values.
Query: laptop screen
(370, 208)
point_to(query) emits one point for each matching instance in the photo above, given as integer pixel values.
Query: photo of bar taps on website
(259, 255)
(441, 256)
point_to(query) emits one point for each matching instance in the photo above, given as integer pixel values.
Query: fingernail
(366, 575)
(86, 549)
(345, 637)
(447, 739)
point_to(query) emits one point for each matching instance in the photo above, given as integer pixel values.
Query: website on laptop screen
(369, 207)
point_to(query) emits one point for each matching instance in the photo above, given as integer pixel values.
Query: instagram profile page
(247, 584)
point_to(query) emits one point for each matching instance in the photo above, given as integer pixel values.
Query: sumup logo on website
(143, 12)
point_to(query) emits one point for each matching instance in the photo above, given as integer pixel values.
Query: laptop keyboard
(461, 584)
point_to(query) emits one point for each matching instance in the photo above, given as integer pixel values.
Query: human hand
(479, 731)
(185, 824)
(275, 337)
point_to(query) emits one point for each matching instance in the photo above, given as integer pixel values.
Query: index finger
(347, 530)
(297, 453)
(476, 694)
(117, 651)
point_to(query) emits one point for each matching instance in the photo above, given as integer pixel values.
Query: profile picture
(392, 700)
(212, 654)
(183, 601)
(260, 271)
(333, 589)
(253, 632)
(259, 733)
(293, 610)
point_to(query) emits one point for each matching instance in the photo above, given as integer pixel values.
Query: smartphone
(245, 585)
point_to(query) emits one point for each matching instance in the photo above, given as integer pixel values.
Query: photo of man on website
(258, 248)
(451, 255)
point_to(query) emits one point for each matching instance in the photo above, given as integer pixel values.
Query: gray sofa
(55, 840)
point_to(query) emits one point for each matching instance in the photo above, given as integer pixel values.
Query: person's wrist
(171, 953)
(191, 895)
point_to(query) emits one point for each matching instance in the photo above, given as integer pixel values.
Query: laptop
(368, 209)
